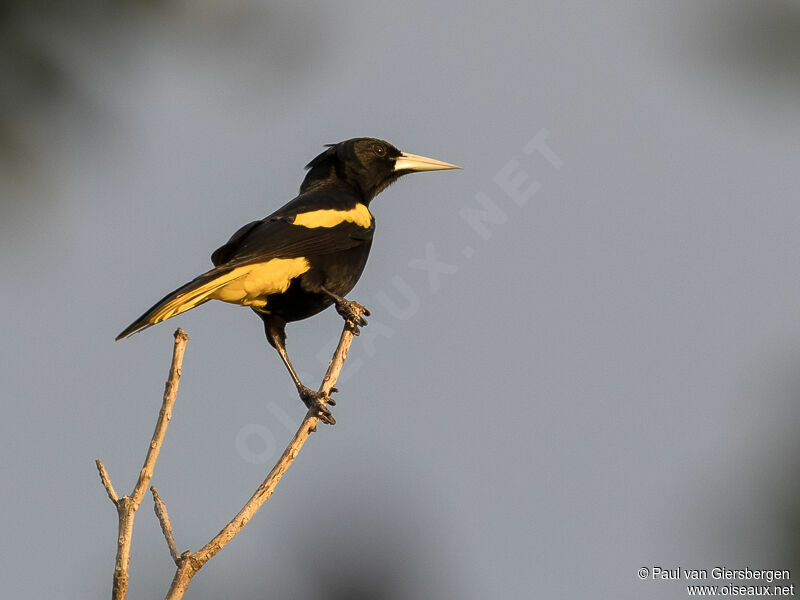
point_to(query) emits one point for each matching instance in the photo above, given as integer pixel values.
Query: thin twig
(112, 493)
(164, 416)
(191, 562)
(128, 505)
(166, 526)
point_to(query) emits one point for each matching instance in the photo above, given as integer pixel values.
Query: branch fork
(190, 562)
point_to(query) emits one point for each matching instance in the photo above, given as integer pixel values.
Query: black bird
(305, 256)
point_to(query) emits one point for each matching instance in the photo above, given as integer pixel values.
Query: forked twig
(189, 563)
(128, 505)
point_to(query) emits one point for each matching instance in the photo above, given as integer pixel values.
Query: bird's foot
(353, 313)
(318, 401)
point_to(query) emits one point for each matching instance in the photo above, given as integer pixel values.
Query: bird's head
(367, 164)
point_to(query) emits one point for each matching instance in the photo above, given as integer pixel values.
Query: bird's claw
(317, 401)
(353, 313)
(331, 401)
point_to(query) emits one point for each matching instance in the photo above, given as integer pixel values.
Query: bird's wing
(225, 252)
(278, 237)
(245, 263)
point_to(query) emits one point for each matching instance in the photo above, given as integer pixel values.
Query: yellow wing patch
(248, 285)
(359, 215)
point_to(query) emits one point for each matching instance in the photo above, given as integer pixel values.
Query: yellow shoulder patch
(359, 215)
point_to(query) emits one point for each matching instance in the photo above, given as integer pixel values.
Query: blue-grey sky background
(602, 378)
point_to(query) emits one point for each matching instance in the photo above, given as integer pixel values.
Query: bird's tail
(196, 292)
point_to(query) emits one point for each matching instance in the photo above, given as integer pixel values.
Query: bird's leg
(352, 312)
(311, 398)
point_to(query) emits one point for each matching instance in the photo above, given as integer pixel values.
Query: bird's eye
(379, 149)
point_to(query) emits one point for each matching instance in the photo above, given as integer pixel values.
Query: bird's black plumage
(308, 254)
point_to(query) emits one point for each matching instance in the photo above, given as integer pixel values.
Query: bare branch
(128, 505)
(112, 493)
(164, 416)
(166, 526)
(191, 562)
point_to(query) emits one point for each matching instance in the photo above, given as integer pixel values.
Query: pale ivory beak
(412, 162)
